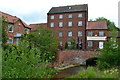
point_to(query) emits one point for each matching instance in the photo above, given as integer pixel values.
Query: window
(101, 33)
(69, 43)
(26, 30)
(17, 35)
(10, 28)
(69, 23)
(10, 41)
(52, 17)
(90, 33)
(70, 16)
(70, 34)
(60, 16)
(79, 33)
(79, 23)
(52, 24)
(80, 15)
(90, 43)
(17, 40)
(60, 34)
(60, 24)
(61, 43)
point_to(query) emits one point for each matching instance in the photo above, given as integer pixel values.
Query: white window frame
(79, 33)
(52, 24)
(52, 17)
(70, 23)
(69, 43)
(60, 24)
(79, 23)
(90, 33)
(61, 16)
(60, 34)
(101, 45)
(69, 34)
(90, 43)
(80, 15)
(10, 25)
(70, 16)
(101, 33)
(10, 42)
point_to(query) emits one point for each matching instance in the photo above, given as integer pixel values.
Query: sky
(35, 11)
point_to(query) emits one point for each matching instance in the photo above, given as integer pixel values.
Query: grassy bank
(93, 72)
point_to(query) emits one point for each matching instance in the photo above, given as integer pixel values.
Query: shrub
(109, 56)
(92, 72)
(22, 62)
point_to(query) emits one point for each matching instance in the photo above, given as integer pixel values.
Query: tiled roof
(97, 25)
(72, 8)
(36, 26)
(12, 19)
(9, 18)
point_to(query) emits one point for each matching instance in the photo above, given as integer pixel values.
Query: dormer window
(10, 28)
(70, 7)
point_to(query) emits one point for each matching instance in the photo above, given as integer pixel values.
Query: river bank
(72, 70)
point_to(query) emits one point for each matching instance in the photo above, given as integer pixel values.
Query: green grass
(93, 72)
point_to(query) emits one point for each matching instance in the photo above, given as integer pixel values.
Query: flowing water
(69, 72)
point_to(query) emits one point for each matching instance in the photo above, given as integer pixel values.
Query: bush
(110, 56)
(22, 62)
(45, 41)
(93, 72)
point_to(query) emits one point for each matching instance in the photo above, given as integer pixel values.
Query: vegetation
(109, 55)
(92, 72)
(30, 58)
(45, 41)
(4, 34)
(110, 24)
(22, 62)
(73, 44)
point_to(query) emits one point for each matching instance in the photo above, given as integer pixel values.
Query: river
(69, 72)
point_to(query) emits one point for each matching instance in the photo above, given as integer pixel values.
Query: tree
(73, 44)
(110, 55)
(46, 42)
(110, 24)
(3, 28)
(21, 61)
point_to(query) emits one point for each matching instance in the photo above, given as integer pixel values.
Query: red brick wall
(66, 56)
(65, 29)
(17, 29)
(95, 42)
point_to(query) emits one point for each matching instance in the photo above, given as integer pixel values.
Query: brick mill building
(15, 28)
(72, 21)
(67, 22)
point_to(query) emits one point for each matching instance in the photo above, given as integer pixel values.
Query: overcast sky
(35, 11)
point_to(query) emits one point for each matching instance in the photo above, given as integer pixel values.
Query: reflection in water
(69, 72)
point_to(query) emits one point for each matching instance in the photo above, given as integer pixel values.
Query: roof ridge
(9, 14)
(71, 5)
